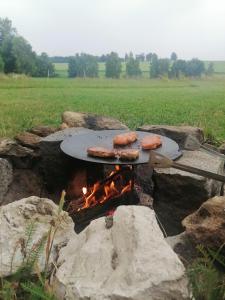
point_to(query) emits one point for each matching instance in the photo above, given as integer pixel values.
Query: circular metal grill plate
(76, 146)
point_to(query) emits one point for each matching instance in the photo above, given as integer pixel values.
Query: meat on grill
(151, 142)
(125, 138)
(101, 152)
(128, 154)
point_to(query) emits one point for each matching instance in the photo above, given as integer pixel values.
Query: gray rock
(206, 225)
(6, 176)
(14, 219)
(130, 260)
(91, 121)
(176, 133)
(144, 178)
(178, 193)
(55, 165)
(27, 183)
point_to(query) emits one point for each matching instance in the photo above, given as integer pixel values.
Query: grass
(26, 102)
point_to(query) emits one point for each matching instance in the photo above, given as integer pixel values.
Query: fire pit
(103, 191)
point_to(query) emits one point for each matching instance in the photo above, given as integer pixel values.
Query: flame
(101, 193)
(84, 190)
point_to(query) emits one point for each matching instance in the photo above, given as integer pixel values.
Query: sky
(191, 28)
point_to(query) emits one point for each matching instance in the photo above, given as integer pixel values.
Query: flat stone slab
(178, 193)
(177, 133)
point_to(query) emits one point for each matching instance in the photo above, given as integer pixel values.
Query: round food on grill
(128, 154)
(151, 142)
(101, 152)
(126, 138)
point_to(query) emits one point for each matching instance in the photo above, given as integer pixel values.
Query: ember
(118, 182)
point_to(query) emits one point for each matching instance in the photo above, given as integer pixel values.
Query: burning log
(116, 184)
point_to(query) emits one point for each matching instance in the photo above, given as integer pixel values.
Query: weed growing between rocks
(29, 282)
(207, 275)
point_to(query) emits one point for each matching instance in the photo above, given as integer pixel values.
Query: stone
(222, 148)
(63, 126)
(206, 225)
(28, 139)
(177, 133)
(27, 183)
(55, 166)
(144, 178)
(178, 193)
(130, 260)
(14, 219)
(91, 121)
(6, 176)
(184, 247)
(43, 131)
(9, 147)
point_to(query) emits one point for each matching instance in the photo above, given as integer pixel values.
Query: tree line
(17, 56)
(86, 65)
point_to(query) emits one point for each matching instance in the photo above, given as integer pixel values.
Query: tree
(25, 58)
(154, 66)
(163, 66)
(83, 65)
(6, 29)
(173, 56)
(1, 64)
(195, 68)
(140, 57)
(210, 69)
(133, 67)
(113, 66)
(43, 66)
(149, 57)
(7, 55)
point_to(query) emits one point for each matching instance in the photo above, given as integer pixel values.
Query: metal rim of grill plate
(76, 147)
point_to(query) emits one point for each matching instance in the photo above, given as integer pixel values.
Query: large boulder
(6, 177)
(176, 133)
(127, 260)
(91, 121)
(206, 226)
(178, 193)
(14, 220)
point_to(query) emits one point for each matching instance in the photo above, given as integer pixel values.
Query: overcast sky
(191, 28)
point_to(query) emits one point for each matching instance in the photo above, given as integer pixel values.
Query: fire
(113, 186)
(84, 190)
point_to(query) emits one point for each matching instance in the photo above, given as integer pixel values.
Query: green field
(26, 102)
(61, 68)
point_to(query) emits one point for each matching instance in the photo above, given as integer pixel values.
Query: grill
(76, 147)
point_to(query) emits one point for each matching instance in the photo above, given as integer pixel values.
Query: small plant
(28, 282)
(207, 281)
